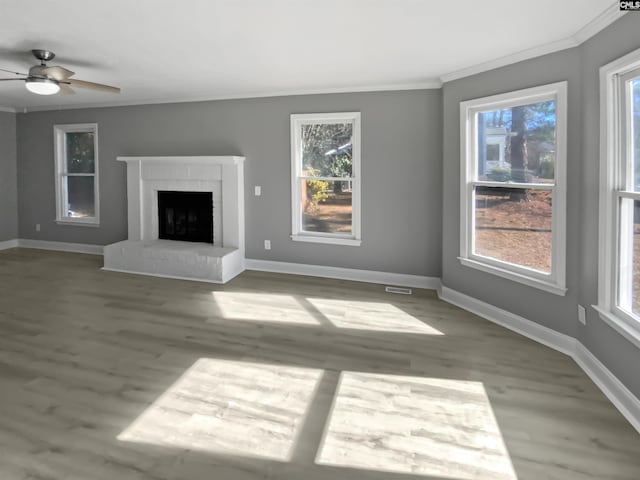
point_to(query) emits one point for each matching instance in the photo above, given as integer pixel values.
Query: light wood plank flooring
(113, 376)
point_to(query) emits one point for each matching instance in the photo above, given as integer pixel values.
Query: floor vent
(400, 290)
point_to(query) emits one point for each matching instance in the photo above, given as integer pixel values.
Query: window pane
(517, 144)
(327, 150)
(514, 225)
(326, 206)
(80, 197)
(80, 152)
(635, 135)
(629, 256)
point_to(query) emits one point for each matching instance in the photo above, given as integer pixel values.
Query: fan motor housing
(36, 71)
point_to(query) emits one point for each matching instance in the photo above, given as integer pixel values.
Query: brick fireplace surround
(144, 253)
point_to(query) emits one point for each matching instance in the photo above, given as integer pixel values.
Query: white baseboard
(161, 275)
(625, 401)
(369, 276)
(558, 341)
(60, 246)
(4, 245)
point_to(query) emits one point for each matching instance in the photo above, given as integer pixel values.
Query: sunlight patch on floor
(375, 316)
(263, 307)
(231, 407)
(422, 426)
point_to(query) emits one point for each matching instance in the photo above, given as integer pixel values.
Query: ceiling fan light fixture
(42, 86)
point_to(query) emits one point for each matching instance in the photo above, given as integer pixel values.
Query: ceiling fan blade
(11, 71)
(92, 85)
(9, 79)
(66, 89)
(57, 73)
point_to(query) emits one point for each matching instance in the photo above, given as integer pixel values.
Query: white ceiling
(170, 50)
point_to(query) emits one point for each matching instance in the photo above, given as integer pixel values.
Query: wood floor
(113, 376)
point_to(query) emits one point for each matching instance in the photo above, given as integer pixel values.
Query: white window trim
(554, 282)
(297, 234)
(611, 158)
(59, 132)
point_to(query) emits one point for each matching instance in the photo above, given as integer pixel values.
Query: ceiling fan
(45, 80)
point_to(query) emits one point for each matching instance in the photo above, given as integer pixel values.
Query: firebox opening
(185, 216)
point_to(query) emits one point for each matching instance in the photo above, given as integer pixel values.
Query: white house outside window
(513, 187)
(76, 162)
(619, 256)
(325, 176)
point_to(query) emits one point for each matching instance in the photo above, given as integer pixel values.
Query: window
(619, 256)
(76, 156)
(325, 175)
(513, 156)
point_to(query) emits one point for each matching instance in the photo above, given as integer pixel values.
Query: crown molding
(509, 59)
(606, 18)
(426, 85)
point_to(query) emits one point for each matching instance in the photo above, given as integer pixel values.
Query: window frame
(59, 133)
(614, 178)
(555, 281)
(297, 232)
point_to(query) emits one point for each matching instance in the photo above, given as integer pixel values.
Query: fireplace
(185, 216)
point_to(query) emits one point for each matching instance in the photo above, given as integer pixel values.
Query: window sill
(327, 240)
(516, 277)
(623, 326)
(78, 223)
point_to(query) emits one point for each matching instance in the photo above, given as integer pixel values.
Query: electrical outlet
(267, 244)
(582, 315)
(37, 227)
(257, 190)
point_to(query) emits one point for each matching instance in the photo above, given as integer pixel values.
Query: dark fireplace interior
(185, 216)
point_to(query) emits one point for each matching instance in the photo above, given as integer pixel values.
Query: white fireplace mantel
(143, 252)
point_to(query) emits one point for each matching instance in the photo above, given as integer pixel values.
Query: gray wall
(411, 172)
(401, 171)
(579, 66)
(8, 178)
(550, 310)
(612, 43)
